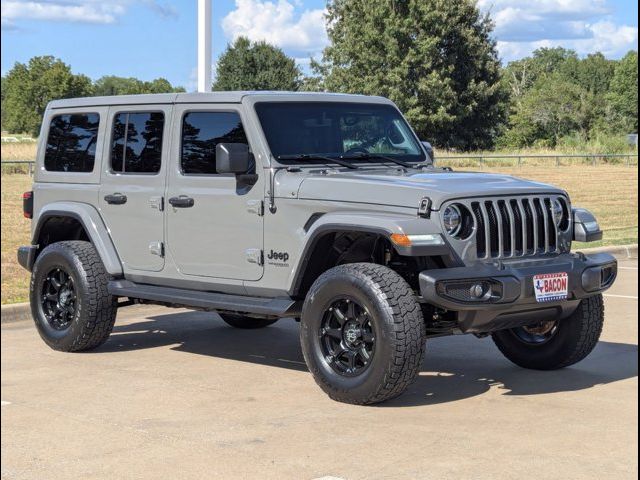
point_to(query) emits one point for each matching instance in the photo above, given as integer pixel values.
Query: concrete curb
(16, 312)
(19, 312)
(622, 252)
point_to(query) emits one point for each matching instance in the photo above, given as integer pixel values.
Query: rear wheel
(555, 344)
(362, 333)
(70, 304)
(246, 323)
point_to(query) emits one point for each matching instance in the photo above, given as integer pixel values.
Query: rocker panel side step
(279, 307)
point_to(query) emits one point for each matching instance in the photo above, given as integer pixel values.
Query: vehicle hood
(405, 189)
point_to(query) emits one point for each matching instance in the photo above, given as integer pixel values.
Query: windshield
(302, 131)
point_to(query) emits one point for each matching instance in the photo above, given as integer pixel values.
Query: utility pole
(204, 45)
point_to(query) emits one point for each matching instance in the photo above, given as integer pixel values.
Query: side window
(201, 132)
(71, 142)
(136, 145)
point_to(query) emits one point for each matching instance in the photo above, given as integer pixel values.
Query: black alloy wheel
(538, 334)
(347, 337)
(58, 299)
(70, 300)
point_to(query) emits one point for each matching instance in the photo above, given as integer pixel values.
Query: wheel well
(341, 247)
(60, 228)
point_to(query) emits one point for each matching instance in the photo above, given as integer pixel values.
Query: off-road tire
(96, 309)
(397, 322)
(246, 323)
(576, 336)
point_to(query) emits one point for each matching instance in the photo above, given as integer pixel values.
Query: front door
(134, 170)
(214, 221)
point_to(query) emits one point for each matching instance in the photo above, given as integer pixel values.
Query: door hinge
(255, 255)
(157, 203)
(157, 248)
(255, 206)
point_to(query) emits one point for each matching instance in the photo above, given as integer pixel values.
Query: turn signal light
(401, 239)
(430, 239)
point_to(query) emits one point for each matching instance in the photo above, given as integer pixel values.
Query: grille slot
(481, 237)
(514, 227)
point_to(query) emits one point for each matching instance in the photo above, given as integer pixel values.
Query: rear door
(133, 182)
(216, 229)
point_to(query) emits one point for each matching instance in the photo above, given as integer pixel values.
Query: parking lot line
(620, 296)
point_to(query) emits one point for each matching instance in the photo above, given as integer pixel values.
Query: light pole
(204, 45)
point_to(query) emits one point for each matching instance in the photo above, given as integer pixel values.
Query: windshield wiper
(361, 156)
(315, 156)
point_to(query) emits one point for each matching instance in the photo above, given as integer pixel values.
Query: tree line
(436, 59)
(27, 88)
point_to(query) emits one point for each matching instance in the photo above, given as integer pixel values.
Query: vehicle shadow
(455, 368)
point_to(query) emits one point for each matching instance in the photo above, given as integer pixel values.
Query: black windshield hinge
(424, 208)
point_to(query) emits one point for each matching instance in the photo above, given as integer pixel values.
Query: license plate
(550, 287)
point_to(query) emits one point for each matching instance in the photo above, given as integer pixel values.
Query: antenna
(204, 45)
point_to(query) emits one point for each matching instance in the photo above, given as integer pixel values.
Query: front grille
(514, 227)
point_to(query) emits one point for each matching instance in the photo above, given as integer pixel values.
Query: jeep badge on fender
(377, 249)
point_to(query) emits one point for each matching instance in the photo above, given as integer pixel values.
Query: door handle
(182, 201)
(115, 199)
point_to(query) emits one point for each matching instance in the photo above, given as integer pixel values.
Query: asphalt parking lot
(178, 394)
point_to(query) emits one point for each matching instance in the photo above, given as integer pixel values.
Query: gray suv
(323, 208)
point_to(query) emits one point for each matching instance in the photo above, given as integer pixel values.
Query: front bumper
(513, 302)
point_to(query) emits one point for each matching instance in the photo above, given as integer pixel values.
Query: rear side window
(201, 132)
(136, 145)
(71, 142)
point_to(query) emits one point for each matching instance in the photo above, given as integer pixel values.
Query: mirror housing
(585, 226)
(429, 149)
(233, 158)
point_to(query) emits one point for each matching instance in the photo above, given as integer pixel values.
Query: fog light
(476, 291)
(470, 290)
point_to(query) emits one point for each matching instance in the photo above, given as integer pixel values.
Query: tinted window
(201, 132)
(337, 129)
(137, 142)
(71, 142)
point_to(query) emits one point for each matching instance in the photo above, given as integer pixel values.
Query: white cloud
(583, 25)
(86, 12)
(279, 24)
(77, 11)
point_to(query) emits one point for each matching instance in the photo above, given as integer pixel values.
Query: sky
(157, 38)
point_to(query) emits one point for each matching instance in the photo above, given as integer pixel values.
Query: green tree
(435, 59)
(113, 85)
(593, 73)
(246, 65)
(622, 98)
(520, 75)
(28, 88)
(552, 108)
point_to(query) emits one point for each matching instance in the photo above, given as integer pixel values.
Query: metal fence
(30, 165)
(626, 159)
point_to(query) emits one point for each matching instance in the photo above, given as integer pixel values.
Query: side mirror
(585, 226)
(429, 149)
(232, 158)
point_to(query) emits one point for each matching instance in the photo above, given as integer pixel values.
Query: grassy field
(611, 192)
(15, 232)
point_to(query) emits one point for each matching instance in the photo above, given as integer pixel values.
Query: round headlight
(558, 212)
(452, 219)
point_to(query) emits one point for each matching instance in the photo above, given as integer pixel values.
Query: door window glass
(136, 146)
(201, 132)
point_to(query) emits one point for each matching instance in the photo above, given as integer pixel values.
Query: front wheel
(362, 333)
(555, 344)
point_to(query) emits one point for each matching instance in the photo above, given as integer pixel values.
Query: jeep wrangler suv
(324, 208)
